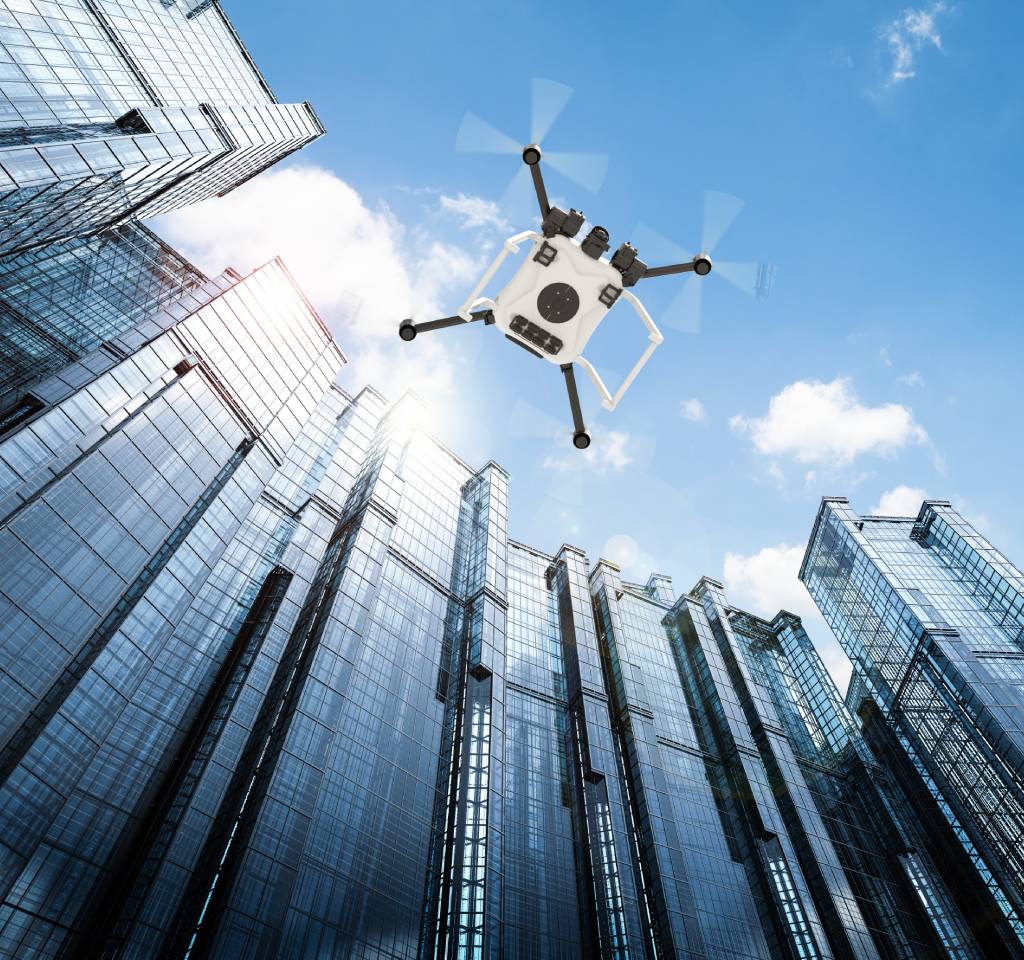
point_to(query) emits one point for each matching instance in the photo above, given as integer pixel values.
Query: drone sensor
(558, 303)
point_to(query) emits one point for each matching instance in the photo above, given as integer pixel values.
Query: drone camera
(595, 243)
(626, 262)
(558, 221)
(702, 265)
(623, 258)
(573, 222)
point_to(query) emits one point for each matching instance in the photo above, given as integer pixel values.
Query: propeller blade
(478, 136)
(754, 279)
(548, 101)
(655, 249)
(720, 210)
(743, 276)
(683, 313)
(586, 169)
(519, 202)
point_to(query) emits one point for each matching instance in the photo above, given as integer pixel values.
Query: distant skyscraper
(932, 616)
(113, 110)
(277, 683)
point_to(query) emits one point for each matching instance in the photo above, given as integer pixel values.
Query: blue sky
(877, 147)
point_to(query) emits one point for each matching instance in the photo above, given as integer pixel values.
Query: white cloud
(911, 31)
(607, 451)
(816, 422)
(886, 356)
(361, 269)
(474, 212)
(900, 501)
(766, 582)
(912, 379)
(693, 409)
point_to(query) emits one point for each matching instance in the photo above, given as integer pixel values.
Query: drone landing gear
(580, 439)
(408, 330)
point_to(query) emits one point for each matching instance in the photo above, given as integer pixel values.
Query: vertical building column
(769, 849)
(867, 790)
(909, 845)
(670, 908)
(612, 927)
(466, 872)
(486, 497)
(350, 567)
(834, 897)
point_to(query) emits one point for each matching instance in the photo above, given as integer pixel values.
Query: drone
(561, 293)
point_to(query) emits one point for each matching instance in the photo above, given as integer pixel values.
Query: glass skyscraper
(113, 109)
(110, 111)
(278, 683)
(932, 616)
(157, 518)
(63, 300)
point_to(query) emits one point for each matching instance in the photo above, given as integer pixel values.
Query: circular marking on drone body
(558, 302)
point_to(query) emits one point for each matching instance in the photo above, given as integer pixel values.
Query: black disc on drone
(558, 302)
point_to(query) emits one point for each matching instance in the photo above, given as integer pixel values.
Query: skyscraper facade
(764, 826)
(932, 616)
(150, 465)
(278, 683)
(111, 112)
(114, 109)
(64, 300)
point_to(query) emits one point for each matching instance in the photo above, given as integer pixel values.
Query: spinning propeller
(754, 279)
(549, 99)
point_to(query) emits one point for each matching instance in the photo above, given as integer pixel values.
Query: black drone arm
(633, 269)
(701, 265)
(668, 270)
(531, 157)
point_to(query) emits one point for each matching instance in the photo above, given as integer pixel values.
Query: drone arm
(511, 245)
(542, 193)
(669, 270)
(654, 338)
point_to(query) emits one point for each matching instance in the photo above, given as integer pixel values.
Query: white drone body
(556, 300)
(561, 292)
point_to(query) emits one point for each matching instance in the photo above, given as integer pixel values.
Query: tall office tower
(932, 616)
(114, 109)
(64, 300)
(277, 683)
(157, 514)
(762, 825)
